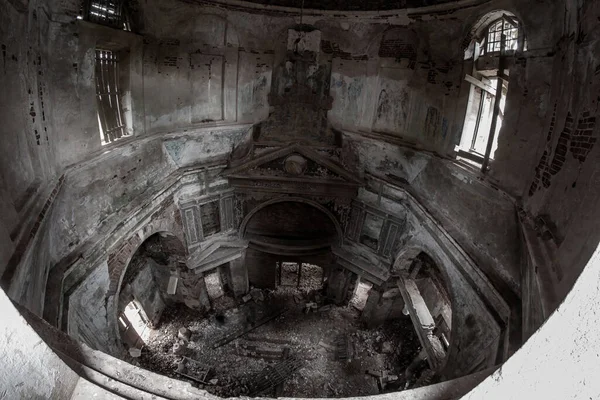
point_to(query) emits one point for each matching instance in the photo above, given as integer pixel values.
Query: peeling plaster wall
(96, 193)
(478, 216)
(564, 188)
(29, 368)
(88, 312)
(204, 66)
(117, 182)
(476, 334)
(27, 149)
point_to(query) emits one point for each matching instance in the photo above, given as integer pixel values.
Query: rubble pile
(307, 333)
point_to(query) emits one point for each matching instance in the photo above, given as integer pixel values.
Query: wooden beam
(483, 86)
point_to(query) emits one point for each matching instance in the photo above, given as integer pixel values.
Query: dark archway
(144, 289)
(288, 231)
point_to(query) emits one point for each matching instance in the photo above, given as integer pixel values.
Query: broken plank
(327, 346)
(241, 331)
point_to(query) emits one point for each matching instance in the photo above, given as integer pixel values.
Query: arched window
(502, 34)
(495, 39)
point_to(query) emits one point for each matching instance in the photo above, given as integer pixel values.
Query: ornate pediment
(294, 169)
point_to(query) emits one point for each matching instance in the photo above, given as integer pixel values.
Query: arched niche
(288, 229)
(301, 205)
(478, 330)
(424, 280)
(120, 259)
(143, 291)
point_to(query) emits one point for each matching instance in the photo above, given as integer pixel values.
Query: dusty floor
(310, 337)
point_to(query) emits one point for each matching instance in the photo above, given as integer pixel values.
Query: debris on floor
(257, 335)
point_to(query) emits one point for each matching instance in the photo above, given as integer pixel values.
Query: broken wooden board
(235, 333)
(264, 352)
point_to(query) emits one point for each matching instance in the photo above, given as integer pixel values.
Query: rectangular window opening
(478, 121)
(108, 97)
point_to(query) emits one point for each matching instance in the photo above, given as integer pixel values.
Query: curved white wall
(562, 359)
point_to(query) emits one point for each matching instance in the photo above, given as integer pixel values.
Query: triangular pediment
(215, 254)
(295, 163)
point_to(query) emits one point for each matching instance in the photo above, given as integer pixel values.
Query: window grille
(110, 114)
(506, 26)
(106, 12)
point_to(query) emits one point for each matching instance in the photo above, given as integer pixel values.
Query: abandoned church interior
(207, 199)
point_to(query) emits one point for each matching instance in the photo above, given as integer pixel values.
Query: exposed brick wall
(333, 48)
(397, 48)
(399, 43)
(579, 142)
(582, 140)
(544, 168)
(560, 153)
(118, 261)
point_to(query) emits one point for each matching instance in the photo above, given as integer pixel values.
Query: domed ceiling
(352, 5)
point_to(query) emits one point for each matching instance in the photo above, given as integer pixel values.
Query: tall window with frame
(108, 97)
(493, 46)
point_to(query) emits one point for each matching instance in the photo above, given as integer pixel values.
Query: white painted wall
(562, 360)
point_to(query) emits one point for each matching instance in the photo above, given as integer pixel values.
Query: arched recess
(479, 330)
(405, 266)
(314, 204)
(142, 293)
(288, 230)
(120, 258)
